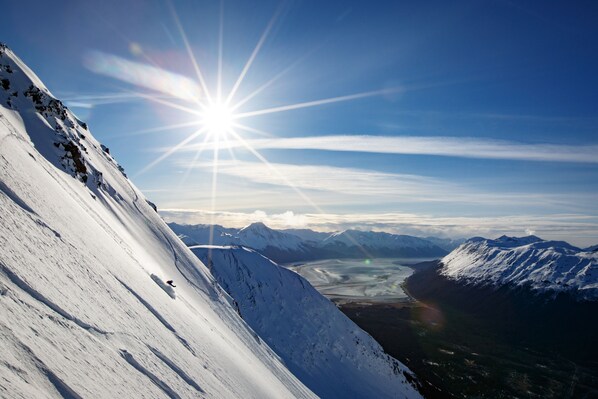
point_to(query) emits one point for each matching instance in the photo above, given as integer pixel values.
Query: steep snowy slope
(526, 261)
(325, 349)
(84, 310)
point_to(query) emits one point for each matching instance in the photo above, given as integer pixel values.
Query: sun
(217, 119)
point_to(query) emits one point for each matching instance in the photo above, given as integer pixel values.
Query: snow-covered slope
(383, 244)
(324, 348)
(552, 266)
(84, 311)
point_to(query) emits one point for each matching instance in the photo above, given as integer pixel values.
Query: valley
(355, 280)
(466, 342)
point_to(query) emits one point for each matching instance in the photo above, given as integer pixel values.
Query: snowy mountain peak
(259, 236)
(516, 241)
(531, 241)
(382, 241)
(547, 266)
(256, 226)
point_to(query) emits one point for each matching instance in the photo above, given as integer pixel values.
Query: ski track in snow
(152, 377)
(16, 280)
(158, 316)
(180, 372)
(61, 387)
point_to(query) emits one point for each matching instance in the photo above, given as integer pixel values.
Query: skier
(171, 283)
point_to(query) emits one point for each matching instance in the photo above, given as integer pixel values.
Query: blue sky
(481, 117)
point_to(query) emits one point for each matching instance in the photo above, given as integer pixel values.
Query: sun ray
(171, 151)
(277, 172)
(256, 50)
(190, 52)
(170, 104)
(295, 188)
(214, 183)
(252, 130)
(220, 51)
(163, 128)
(280, 74)
(195, 158)
(101, 99)
(231, 152)
(314, 103)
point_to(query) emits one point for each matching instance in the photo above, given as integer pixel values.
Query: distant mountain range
(292, 245)
(545, 266)
(541, 265)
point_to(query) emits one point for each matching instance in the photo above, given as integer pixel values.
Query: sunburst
(217, 116)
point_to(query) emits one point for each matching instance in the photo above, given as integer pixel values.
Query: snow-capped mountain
(548, 266)
(259, 236)
(84, 307)
(303, 244)
(202, 234)
(329, 353)
(307, 234)
(591, 249)
(448, 244)
(371, 243)
(281, 246)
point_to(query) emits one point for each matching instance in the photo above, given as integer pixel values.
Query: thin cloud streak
(371, 186)
(142, 75)
(462, 147)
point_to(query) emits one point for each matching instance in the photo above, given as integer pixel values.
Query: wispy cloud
(462, 147)
(577, 228)
(92, 100)
(143, 75)
(369, 186)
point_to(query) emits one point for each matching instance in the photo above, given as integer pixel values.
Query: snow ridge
(324, 348)
(545, 266)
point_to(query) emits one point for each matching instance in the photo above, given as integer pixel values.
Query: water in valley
(354, 280)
